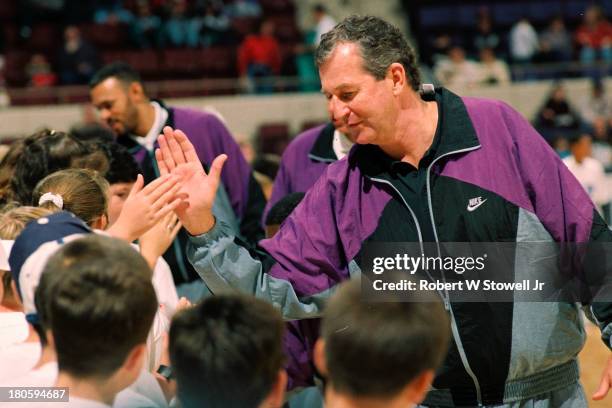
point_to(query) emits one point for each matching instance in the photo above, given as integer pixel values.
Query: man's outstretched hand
(606, 381)
(177, 155)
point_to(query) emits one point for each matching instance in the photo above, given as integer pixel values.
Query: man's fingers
(186, 146)
(216, 167)
(165, 153)
(604, 387)
(175, 149)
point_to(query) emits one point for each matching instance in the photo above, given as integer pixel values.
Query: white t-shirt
(17, 358)
(590, 173)
(14, 328)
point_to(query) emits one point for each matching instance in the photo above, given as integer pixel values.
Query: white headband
(54, 198)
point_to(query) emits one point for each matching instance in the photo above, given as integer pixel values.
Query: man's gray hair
(381, 44)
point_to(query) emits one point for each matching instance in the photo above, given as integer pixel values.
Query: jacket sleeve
(297, 270)
(245, 194)
(569, 215)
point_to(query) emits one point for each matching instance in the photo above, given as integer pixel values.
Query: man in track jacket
(449, 170)
(118, 94)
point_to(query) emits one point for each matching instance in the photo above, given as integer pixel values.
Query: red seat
(106, 36)
(218, 62)
(182, 62)
(44, 37)
(33, 96)
(273, 138)
(145, 62)
(14, 69)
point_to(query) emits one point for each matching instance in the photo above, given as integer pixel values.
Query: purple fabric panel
(315, 244)
(140, 155)
(211, 138)
(516, 163)
(298, 344)
(297, 172)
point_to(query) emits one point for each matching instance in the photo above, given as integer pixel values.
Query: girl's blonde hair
(83, 192)
(14, 220)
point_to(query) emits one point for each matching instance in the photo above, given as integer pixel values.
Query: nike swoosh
(472, 208)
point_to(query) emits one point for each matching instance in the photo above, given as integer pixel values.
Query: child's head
(381, 351)
(12, 222)
(121, 175)
(82, 192)
(227, 352)
(47, 152)
(86, 299)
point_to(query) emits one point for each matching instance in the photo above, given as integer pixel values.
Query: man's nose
(338, 110)
(104, 114)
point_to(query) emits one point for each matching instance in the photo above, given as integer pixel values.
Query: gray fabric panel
(544, 334)
(227, 267)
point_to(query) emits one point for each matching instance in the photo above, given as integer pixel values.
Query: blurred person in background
(589, 171)
(594, 36)
(556, 42)
(456, 71)
(39, 71)
(77, 59)
(492, 69)
(259, 58)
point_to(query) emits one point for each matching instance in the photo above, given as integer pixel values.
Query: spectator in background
(77, 60)
(557, 115)
(456, 71)
(556, 42)
(214, 27)
(323, 22)
(146, 27)
(180, 30)
(602, 143)
(111, 12)
(523, 41)
(242, 8)
(594, 37)
(259, 56)
(596, 105)
(589, 171)
(492, 69)
(39, 71)
(485, 37)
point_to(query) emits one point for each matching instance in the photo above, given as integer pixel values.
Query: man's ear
(100, 223)
(417, 389)
(276, 397)
(397, 74)
(50, 338)
(319, 357)
(136, 92)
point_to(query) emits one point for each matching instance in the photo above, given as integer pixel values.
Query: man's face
(117, 192)
(115, 105)
(360, 106)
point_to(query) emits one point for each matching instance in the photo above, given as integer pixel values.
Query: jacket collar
(457, 134)
(132, 145)
(323, 150)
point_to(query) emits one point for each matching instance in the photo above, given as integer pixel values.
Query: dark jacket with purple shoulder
(303, 162)
(210, 138)
(501, 352)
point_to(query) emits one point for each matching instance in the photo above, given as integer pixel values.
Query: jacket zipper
(454, 327)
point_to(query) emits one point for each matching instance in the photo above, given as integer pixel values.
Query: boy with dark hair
(226, 352)
(381, 354)
(99, 327)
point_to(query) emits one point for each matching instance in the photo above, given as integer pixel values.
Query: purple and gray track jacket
(501, 352)
(210, 138)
